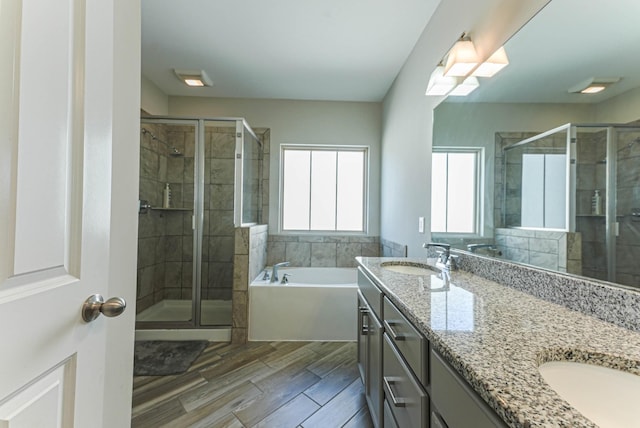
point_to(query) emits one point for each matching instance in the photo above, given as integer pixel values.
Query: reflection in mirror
(566, 199)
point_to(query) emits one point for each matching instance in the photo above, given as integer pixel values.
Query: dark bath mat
(164, 357)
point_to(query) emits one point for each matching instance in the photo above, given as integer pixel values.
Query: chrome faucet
(274, 272)
(446, 261)
(490, 247)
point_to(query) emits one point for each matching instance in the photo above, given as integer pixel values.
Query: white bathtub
(316, 304)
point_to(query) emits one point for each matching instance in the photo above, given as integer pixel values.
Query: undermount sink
(606, 396)
(408, 268)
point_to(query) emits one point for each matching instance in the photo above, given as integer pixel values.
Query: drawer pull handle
(397, 402)
(363, 313)
(396, 336)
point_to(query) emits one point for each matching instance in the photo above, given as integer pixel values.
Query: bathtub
(318, 304)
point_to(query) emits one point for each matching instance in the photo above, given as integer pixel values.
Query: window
(323, 188)
(544, 190)
(455, 190)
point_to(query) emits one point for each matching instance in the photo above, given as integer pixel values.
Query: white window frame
(478, 224)
(365, 190)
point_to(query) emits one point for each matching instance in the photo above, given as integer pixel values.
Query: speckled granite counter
(496, 337)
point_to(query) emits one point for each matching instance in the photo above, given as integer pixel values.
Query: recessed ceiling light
(593, 89)
(194, 78)
(594, 85)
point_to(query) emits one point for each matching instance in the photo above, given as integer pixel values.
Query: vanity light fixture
(496, 62)
(193, 77)
(593, 85)
(467, 86)
(439, 84)
(462, 58)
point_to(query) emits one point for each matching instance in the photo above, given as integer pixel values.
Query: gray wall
(407, 120)
(301, 122)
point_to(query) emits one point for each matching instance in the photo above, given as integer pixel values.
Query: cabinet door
(363, 326)
(374, 388)
(458, 405)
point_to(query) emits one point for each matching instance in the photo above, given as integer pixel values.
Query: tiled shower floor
(214, 312)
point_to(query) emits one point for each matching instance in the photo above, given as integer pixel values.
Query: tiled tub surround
(496, 337)
(320, 250)
(249, 259)
(561, 251)
(392, 249)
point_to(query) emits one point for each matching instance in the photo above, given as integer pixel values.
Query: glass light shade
(493, 64)
(461, 60)
(469, 85)
(439, 84)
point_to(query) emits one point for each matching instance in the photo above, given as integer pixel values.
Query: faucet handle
(451, 262)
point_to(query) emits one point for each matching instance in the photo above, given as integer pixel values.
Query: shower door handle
(95, 305)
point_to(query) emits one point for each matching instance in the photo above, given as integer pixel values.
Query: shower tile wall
(628, 201)
(591, 167)
(218, 234)
(165, 242)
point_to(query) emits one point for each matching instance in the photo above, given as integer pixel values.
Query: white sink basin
(607, 397)
(414, 269)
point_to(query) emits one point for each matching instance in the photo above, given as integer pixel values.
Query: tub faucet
(274, 272)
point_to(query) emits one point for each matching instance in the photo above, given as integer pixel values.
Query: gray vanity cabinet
(370, 345)
(456, 404)
(408, 384)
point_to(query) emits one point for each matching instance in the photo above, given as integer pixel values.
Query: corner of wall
(152, 99)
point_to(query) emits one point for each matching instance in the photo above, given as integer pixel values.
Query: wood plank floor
(261, 384)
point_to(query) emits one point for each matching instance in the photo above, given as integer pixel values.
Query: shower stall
(579, 184)
(200, 179)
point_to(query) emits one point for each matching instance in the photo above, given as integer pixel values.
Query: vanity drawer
(371, 293)
(450, 393)
(389, 421)
(408, 403)
(411, 344)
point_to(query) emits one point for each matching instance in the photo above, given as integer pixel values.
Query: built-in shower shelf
(171, 209)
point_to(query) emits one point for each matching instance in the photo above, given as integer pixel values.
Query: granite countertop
(496, 337)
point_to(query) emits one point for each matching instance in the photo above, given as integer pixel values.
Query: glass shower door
(625, 209)
(165, 286)
(218, 230)
(591, 218)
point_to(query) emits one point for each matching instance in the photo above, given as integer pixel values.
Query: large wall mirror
(558, 172)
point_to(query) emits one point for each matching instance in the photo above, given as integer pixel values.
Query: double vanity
(465, 351)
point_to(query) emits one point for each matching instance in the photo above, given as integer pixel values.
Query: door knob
(95, 305)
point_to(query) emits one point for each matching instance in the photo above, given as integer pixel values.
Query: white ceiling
(568, 42)
(288, 49)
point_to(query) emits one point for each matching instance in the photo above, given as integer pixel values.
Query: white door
(68, 187)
